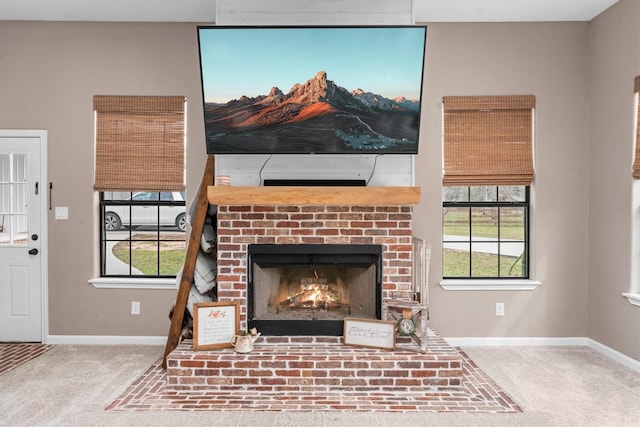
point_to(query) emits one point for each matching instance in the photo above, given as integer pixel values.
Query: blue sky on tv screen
(250, 61)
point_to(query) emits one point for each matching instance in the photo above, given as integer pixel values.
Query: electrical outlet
(135, 307)
(499, 309)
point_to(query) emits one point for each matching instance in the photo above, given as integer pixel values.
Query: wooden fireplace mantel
(313, 196)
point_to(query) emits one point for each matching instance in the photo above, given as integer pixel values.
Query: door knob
(33, 251)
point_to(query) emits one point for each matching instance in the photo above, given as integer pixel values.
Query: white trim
(133, 283)
(453, 341)
(106, 340)
(44, 218)
(44, 228)
(634, 299)
(508, 341)
(614, 355)
(207, 11)
(489, 285)
(547, 341)
(294, 12)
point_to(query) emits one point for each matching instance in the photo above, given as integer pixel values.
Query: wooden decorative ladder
(197, 225)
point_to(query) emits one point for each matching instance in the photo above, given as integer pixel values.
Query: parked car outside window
(164, 209)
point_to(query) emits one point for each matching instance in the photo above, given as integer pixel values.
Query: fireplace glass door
(310, 289)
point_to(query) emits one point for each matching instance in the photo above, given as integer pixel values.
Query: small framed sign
(370, 333)
(215, 324)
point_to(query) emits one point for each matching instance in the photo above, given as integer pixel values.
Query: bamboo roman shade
(139, 143)
(636, 160)
(488, 140)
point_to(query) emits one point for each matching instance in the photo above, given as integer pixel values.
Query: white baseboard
(614, 355)
(453, 341)
(542, 341)
(506, 341)
(105, 340)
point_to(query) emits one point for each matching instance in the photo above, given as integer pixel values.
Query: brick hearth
(316, 365)
(319, 364)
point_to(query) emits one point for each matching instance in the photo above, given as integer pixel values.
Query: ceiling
(204, 11)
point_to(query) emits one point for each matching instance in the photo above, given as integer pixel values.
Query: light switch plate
(62, 212)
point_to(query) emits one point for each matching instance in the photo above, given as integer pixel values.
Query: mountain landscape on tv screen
(317, 116)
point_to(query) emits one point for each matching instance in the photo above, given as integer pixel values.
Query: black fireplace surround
(345, 280)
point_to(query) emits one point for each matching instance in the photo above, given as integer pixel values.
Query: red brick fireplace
(242, 225)
(314, 364)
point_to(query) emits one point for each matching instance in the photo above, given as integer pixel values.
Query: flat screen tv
(312, 90)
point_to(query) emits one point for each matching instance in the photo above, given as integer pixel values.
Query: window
(636, 160)
(139, 174)
(142, 233)
(485, 232)
(634, 297)
(487, 173)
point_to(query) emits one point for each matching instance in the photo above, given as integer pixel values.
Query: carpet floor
(479, 394)
(73, 385)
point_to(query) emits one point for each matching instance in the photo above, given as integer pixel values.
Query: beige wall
(614, 215)
(549, 61)
(50, 71)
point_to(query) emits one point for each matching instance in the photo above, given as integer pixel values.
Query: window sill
(489, 285)
(634, 299)
(133, 283)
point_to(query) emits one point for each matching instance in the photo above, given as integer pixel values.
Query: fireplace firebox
(308, 289)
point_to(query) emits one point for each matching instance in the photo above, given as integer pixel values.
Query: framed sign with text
(370, 333)
(215, 324)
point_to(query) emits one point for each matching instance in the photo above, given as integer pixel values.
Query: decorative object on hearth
(370, 333)
(200, 208)
(410, 318)
(243, 343)
(215, 324)
(410, 310)
(421, 262)
(406, 325)
(411, 313)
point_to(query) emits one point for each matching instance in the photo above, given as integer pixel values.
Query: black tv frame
(389, 132)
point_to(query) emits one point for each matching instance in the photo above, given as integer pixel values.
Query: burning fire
(314, 293)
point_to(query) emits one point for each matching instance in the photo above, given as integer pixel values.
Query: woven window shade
(636, 160)
(488, 140)
(139, 143)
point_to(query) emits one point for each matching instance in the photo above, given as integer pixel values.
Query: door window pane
(14, 224)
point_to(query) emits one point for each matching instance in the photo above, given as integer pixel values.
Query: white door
(22, 196)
